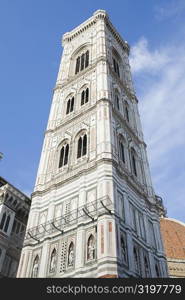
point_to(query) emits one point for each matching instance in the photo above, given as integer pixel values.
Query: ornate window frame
(82, 156)
(82, 60)
(70, 102)
(65, 143)
(117, 62)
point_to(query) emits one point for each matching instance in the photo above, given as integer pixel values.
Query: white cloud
(143, 59)
(162, 110)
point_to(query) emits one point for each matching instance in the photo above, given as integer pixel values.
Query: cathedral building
(173, 235)
(14, 210)
(94, 212)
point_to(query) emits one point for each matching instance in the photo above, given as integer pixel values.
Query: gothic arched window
(70, 105)
(82, 146)
(79, 147)
(7, 224)
(116, 61)
(84, 150)
(64, 154)
(117, 101)
(133, 162)
(127, 113)
(71, 255)
(91, 248)
(3, 220)
(116, 66)
(85, 96)
(121, 150)
(77, 65)
(82, 97)
(53, 261)
(146, 267)
(82, 62)
(87, 58)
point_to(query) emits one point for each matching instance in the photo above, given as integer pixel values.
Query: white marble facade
(94, 212)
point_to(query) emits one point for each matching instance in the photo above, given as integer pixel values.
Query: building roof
(173, 234)
(4, 182)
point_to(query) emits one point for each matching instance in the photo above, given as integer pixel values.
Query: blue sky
(30, 51)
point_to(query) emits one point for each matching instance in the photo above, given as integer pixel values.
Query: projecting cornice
(99, 14)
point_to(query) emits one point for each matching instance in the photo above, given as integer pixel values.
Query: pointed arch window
(133, 162)
(87, 58)
(7, 224)
(82, 97)
(70, 105)
(64, 155)
(71, 255)
(117, 102)
(82, 146)
(85, 96)
(127, 113)
(3, 220)
(77, 69)
(82, 62)
(122, 151)
(116, 66)
(91, 248)
(79, 147)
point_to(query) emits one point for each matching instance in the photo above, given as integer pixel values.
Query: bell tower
(94, 212)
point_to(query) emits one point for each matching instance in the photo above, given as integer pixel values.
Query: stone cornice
(99, 14)
(88, 110)
(69, 36)
(81, 171)
(133, 183)
(15, 192)
(117, 36)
